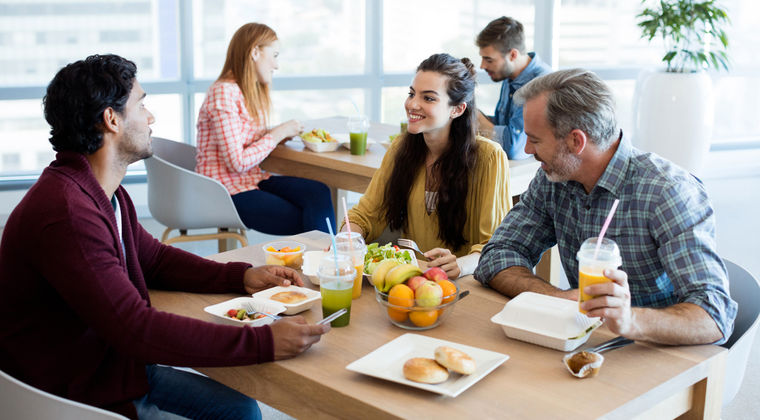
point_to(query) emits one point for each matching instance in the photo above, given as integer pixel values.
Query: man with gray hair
(672, 287)
(504, 57)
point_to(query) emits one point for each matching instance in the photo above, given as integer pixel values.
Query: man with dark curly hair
(76, 266)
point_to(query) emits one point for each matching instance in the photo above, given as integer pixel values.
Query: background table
(643, 380)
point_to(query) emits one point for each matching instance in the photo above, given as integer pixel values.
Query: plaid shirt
(231, 145)
(664, 226)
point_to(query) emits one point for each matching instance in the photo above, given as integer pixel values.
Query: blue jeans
(286, 205)
(176, 394)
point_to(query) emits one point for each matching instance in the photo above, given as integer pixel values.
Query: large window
(336, 56)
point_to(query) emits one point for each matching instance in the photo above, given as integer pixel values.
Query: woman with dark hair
(439, 184)
(234, 138)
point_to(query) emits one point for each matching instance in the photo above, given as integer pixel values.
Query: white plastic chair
(21, 401)
(745, 290)
(180, 198)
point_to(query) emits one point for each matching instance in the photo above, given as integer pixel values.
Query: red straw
(605, 226)
(348, 224)
(345, 213)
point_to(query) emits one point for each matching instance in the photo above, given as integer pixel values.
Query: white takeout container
(321, 147)
(311, 265)
(312, 297)
(269, 306)
(545, 320)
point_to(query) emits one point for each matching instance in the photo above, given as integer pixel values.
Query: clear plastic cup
(591, 269)
(336, 282)
(358, 126)
(352, 245)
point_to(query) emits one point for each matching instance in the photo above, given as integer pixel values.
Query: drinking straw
(605, 226)
(334, 247)
(348, 225)
(356, 107)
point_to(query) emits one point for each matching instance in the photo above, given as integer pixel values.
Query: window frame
(373, 80)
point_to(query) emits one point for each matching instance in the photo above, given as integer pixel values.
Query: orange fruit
(423, 318)
(401, 295)
(449, 290)
(397, 315)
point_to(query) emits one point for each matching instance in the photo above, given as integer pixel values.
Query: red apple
(429, 294)
(435, 274)
(415, 282)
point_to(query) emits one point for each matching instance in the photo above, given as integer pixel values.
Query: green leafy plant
(692, 31)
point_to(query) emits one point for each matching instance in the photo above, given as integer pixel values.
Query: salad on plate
(376, 253)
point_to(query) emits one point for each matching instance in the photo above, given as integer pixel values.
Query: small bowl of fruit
(413, 299)
(287, 253)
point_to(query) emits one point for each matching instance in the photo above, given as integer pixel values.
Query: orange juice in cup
(352, 245)
(592, 263)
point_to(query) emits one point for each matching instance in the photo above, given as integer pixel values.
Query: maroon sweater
(76, 315)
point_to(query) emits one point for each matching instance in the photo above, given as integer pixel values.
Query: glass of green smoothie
(336, 283)
(358, 125)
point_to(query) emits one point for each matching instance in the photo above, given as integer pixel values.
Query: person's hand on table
(266, 276)
(612, 302)
(293, 336)
(286, 130)
(441, 257)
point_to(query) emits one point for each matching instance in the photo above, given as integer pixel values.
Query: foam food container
(545, 320)
(312, 297)
(269, 306)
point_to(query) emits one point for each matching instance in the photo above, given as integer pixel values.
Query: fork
(408, 243)
(250, 311)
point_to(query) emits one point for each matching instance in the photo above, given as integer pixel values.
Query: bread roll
(454, 360)
(288, 297)
(427, 371)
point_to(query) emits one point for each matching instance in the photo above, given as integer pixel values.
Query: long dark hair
(455, 164)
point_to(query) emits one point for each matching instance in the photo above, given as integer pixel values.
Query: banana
(378, 276)
(400, 274)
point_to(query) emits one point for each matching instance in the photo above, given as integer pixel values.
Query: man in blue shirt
(502, 50)
(672, 287)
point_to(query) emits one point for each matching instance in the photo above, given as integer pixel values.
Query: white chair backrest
(745, 290)
(181, 198)
(21, 401)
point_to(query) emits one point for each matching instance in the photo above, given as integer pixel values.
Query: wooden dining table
(638, 381)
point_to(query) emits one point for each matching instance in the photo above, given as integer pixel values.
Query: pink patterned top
(231, 145)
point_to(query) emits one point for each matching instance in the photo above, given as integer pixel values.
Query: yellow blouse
(488, 201)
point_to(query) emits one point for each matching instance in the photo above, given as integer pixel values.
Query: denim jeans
(286, 205)
(176, 394)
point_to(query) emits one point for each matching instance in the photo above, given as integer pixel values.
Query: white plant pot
(673, 116)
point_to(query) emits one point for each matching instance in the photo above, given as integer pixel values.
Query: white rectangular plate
(387, 362)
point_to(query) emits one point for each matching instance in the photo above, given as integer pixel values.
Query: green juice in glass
(336, 295)
(358, 143)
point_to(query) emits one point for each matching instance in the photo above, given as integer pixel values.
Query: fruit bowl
(408, 313)
(287, 253)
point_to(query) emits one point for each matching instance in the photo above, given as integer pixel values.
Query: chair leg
(221, 236)
(166, 234)
(222, 242)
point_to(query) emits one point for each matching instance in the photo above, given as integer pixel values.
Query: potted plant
(673, 110)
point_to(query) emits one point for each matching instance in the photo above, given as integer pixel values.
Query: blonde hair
(240, 67)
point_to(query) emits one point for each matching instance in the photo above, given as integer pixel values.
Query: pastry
(454, 360)
(424, 370)
(289, 297)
